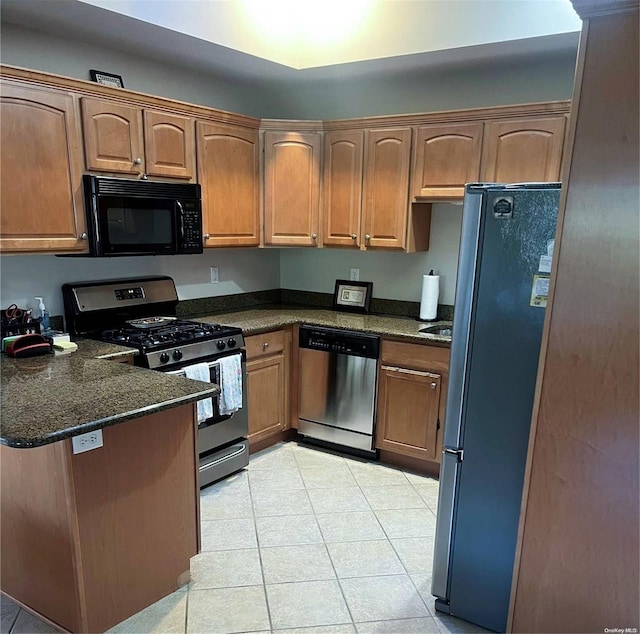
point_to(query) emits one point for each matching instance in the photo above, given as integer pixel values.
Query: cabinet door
(228, 171)
(169, 142)
(291, 188)
(386, 187)
(113, 139)
(446, 157)
(523, 151)
(41, 172)
(408, 405)
(342, 203)
(266, 394)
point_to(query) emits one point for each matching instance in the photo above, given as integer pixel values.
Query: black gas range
(140, 313)
(164, 341)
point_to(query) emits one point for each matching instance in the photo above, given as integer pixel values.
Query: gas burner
(153, 334)
(151, 322)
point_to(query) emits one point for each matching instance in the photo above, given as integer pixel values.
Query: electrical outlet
(355, 275)
(87, 442)
(214, 275)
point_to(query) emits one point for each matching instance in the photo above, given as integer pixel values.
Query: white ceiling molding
(227, 37)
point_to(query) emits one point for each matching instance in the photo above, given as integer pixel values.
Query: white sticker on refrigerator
(539, 291)
(545, 264)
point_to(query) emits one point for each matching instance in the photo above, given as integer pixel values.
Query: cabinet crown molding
(85, 88)
(587, 9)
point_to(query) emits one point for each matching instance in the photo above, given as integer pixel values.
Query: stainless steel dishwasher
(338, 372)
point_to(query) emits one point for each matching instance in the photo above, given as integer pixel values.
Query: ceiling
(310, 39)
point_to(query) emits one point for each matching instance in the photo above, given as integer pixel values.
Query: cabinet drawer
(265, 344)
(415, 356)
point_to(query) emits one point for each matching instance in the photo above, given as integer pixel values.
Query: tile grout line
(186, 610)
(389, 540)
(15, 620)
(255, 527)
(329, 466)
(324, 543)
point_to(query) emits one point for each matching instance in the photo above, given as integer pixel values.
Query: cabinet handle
(265, 345)
(314, 236)
(433, 386)
(206, 236)
(137, 161)
(367, 237)
(354, 236)
(83, 236)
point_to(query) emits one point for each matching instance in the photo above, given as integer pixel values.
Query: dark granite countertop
(259, 320)
(52, 397)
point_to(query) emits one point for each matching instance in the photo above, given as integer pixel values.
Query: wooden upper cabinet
(113, 137)
(446, 157)
(528, 150)
(169, 145)
(125, 139)
(342, 201)
(386, 187)
(291, 188)
(228, 171)
(40, 171)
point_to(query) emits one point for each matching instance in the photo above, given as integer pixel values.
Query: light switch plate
(214, 275)
(355, 275)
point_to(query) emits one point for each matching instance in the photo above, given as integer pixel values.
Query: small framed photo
(353, 297)
(107, 79)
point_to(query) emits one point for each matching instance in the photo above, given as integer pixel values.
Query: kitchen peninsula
(91, 538)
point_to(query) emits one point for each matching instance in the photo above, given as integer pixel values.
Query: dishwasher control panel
(340, 342)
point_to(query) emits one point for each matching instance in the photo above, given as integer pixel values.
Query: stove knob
(221, 345)
(231, 342)
(177, 355)
(164, 358)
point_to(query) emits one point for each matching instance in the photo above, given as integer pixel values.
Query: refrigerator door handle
(458, 453)
(444, 523)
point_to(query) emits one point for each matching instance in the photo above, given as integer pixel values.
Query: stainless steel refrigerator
(506, 250)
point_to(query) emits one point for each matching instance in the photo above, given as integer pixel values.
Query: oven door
(222, 429)
(222, 442)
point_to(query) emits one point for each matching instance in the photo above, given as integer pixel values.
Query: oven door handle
(181, 372)
(217, 461)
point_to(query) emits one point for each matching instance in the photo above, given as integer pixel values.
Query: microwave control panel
(191, 239)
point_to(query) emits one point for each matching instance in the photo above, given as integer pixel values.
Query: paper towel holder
(436, 318)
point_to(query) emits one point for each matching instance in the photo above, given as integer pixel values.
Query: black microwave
(141, 217)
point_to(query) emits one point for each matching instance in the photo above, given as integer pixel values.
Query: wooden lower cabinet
(268, 362)
(412, 387)
(408, 405)
(90, 539)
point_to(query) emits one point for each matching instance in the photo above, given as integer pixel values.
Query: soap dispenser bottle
(44, 315)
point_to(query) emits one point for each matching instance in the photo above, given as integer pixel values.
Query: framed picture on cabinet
(107, 79)
(354, 297)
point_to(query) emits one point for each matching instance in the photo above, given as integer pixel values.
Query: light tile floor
(306, 541)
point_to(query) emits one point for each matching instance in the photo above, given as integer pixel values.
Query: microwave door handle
(181, 219)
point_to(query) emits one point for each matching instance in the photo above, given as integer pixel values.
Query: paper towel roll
(429, 298)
